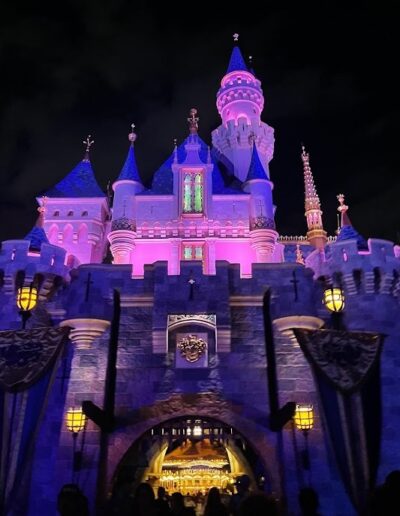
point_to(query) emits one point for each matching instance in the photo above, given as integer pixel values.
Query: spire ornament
(235, 37)
(132, 135)
(42, 210)
(342, 209)
(88, 142)
(193, 121)
(299, 255)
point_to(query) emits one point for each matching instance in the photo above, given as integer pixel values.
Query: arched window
(56, 213)
(193, 192)
(84, 214)
(70, 213)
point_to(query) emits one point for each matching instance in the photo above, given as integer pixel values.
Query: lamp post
(304, 421)
(335, 303)
(26, 301)
(76, 422)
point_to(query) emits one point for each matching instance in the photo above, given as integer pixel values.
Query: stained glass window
(192, 252)
(193, 192)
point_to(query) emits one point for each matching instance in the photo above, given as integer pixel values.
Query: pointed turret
(76, 212)
(316, 234)
(347, 231)
(129, 171)
(236, 62)
(256, 169)
(37, 235)
(262, 224)
(80, 182)
(123, 227)
(240, 102)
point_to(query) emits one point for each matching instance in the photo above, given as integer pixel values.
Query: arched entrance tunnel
(191, 454)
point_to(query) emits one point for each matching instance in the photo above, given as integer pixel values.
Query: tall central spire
(316, 233)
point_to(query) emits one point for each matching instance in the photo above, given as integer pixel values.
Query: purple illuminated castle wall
(194, 254)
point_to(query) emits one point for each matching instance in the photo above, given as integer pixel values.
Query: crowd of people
(143, 502)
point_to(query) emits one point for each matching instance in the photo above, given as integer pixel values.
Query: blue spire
(37, 236)
(80, 182)
(256, 169)
(349, 233)
(237, 62)
(130, 171)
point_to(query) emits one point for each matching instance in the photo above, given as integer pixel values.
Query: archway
(191, 454)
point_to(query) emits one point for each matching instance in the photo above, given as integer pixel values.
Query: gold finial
(88, 142)
(42, 208)
(342, 207)
(175, 150)
(175, 142)
(193, 121)
(132, 135)
(235, 37)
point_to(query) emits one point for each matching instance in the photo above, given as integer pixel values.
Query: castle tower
(316, 233)
(262, 224)
(76, 214)
(240, 102)
(123, 227)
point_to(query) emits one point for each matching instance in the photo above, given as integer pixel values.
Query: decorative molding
(246, 301)
(192, 347)
(175, 320)
(123, 223)
(85, 331)
(262, 222)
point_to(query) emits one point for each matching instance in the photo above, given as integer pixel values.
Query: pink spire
(311, 197)
(315, 234)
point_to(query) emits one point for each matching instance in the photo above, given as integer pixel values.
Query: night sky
(94, 67)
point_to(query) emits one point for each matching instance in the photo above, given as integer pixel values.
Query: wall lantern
(304, 417)
(304, 421)
(75, 422)
(26, 301)
(334, 299)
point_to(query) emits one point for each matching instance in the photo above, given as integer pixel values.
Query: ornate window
(192, 252)
(192, 191)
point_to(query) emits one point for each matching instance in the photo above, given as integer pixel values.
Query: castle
(197, 372)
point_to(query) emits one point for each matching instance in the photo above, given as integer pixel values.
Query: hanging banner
(28, 362)
(346, 367)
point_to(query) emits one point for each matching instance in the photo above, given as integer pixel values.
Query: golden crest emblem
(192, 347)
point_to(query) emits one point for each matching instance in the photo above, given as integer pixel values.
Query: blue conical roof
(236, 62)
(349, 233)
(80, 182)
(37, 236)
(130, 171)
(256, 169)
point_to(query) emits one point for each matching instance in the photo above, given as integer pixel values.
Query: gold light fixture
(304, 417)
(75, 420)
(334, 299)
(27, 298)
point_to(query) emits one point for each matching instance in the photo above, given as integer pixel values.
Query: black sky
(82, 67)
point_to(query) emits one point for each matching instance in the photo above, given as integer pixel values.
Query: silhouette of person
(214, 506)
(243, 490)
(308, 501)
(72, 502)
(386, 497)
(178, 506)
(258, 504)
(162, 503)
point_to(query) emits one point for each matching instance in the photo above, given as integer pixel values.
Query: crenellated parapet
(19, 264)
(371, 272)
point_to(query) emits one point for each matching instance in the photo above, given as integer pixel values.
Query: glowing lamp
(27, 298)
(75, 420)
(334, 299)
(197, 431)
(304, 417)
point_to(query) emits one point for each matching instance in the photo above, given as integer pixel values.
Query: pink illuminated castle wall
(205, 204)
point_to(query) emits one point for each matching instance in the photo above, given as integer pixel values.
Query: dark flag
(28, 362)
(346, 367)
